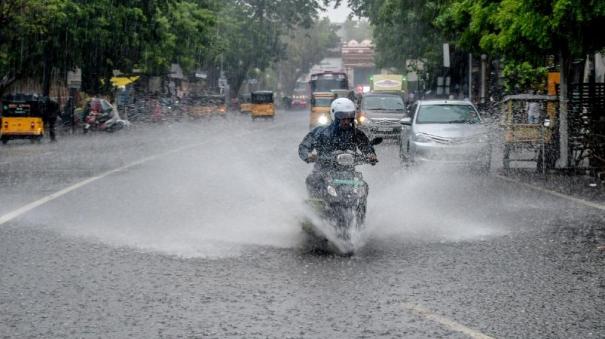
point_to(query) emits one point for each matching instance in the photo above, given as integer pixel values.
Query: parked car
(445, 132)
(380, 115)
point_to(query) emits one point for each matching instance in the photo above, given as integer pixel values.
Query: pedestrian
(68, 113)
(50, 112)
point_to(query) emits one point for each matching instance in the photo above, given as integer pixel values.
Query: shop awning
(123, 81)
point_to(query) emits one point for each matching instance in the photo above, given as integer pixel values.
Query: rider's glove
(312, 158)
(372, 159)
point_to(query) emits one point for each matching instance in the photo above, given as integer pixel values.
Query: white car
(445, 132)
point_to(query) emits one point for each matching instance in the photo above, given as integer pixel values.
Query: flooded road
(198, 235)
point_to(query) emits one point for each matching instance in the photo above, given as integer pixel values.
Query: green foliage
(524, 77)
(403, 30)
(250, 34)
(523, 32)
(358, 30)
(26, 28)
(527, 29)
(101, 36)
(305, 47)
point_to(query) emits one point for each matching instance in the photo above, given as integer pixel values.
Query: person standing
(50, 113)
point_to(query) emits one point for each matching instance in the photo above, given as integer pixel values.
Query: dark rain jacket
(51, 110)
(327, 139)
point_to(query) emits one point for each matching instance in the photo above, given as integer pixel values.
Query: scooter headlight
(323, 120)
(361, 190)
(332, 191)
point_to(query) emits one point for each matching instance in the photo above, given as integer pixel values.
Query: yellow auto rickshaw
(262, 105)
(206, 105)
(21, 118)
(529, 123)
(320, 108)
(245, 106)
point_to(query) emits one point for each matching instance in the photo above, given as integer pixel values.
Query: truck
(388, 83)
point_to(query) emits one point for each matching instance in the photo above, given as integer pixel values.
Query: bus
(327, 81)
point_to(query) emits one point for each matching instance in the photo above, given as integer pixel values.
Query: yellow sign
(122, 82)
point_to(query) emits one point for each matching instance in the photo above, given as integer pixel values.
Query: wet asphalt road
(204, 240)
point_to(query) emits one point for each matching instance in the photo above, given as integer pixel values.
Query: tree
(39, 36)
(528, 30)
(28, 33)
(358, 30)
(403, 30)
(305, 47)
(250, 33)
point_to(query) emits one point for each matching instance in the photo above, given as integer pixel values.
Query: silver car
(445, 132)
(380, 114)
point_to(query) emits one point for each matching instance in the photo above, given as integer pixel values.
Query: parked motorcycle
(339, 207)
(107, 120)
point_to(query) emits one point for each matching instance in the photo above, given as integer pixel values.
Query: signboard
(446, 55)
(74, 78)
(222, 82)
(387, 82)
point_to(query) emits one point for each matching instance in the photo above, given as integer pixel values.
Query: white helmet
(342, 108)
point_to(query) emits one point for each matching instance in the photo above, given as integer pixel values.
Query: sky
(338, 15)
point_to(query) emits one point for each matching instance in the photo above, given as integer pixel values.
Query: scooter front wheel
(345, 218)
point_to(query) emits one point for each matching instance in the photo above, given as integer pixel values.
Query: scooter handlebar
(359, 159)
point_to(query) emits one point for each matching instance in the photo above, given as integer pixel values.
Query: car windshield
(447, 114)
(323, 102)
(387, 103)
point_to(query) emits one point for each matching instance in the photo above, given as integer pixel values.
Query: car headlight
(323, 120)
(332, 191)
(421, 137)
(362, 120)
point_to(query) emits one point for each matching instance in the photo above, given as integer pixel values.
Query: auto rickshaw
(262, 105)
(21, 118)
(245, 106)
(320, 108)
(207, 105)
(529, 122)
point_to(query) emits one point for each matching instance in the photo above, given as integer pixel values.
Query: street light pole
(470, 77)
(483, 76)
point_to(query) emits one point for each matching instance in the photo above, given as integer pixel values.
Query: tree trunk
(47, 71)
(237, 84)
(6, 82)
(565, 61)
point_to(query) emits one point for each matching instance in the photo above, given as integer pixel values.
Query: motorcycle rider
(340, 135)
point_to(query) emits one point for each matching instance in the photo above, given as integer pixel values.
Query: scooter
(338, 208)
(108, 121)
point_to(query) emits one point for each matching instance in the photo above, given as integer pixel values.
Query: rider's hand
(312, 157)
(372, 159)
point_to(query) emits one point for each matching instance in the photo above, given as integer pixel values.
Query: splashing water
(241, 190)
